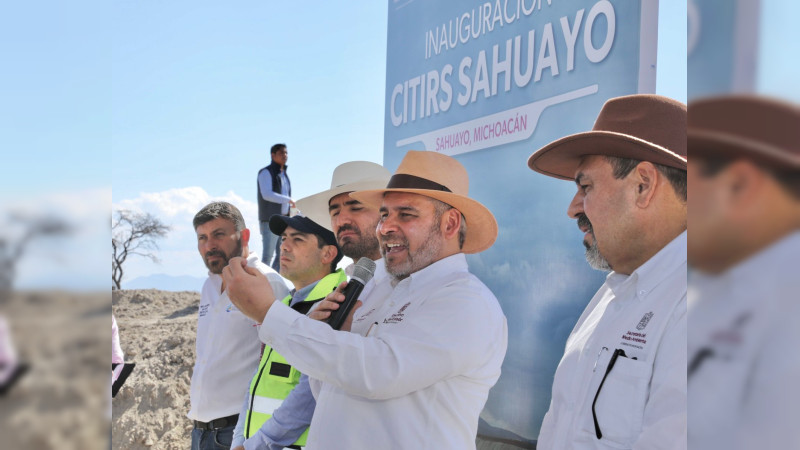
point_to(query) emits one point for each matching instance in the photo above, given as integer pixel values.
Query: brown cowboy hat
(644, 127)
(765, 130)
(443, 178)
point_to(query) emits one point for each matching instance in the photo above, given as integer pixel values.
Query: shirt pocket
(620, 403)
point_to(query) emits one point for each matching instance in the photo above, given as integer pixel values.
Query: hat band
(406, 181)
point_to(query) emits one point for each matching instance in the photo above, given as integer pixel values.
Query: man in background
(279, 405)
(227, 341)
(353, 222)
(274, 197)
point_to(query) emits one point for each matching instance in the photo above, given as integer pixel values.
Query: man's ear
(329, 253)
(743, 180)
(451, 223)
(646, 179)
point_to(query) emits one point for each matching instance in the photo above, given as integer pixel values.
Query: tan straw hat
(347, 177)
(443, 178)
(644, 127)
(765, 130)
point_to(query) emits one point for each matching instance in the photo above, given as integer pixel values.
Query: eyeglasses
(617, 353)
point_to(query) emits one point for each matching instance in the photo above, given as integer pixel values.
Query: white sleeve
(446, 336)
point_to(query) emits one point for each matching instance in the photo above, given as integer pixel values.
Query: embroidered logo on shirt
(398, 316)
(645, 320)
(633, 336)
(204, 309)
(364, 316)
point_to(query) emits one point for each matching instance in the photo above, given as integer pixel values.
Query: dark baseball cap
(278, 224)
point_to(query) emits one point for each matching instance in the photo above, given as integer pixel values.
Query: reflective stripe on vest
(275, 378)
(266, 405)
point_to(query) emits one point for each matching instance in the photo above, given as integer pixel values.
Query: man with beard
(353, 222)
(227, 341)
(417, 370)
(622, 380)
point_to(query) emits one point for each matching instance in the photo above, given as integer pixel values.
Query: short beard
(421, 259)
(593, 255)
(594, 258)
(361, 246)
(237, 251)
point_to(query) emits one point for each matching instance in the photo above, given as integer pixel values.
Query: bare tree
(133, 233)
(12, 249)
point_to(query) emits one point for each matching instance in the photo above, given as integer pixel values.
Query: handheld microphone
(362, 273)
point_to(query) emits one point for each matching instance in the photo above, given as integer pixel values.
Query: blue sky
(201, 91)
(175, 103)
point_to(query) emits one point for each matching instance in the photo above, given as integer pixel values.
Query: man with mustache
(227, 341)
(279, 405)
(622, 380)
(416, 367)
(353, 222)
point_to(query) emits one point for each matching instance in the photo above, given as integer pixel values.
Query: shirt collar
(655, 270)
(299, 295)
(772, 259)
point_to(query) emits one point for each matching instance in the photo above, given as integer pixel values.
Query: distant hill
(500, 439)
(166, 283)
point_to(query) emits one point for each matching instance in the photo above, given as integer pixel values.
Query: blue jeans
(270, 246)
(218, 439)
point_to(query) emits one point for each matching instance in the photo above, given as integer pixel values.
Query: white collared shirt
(420, 377)
(642, 403)
(228, 349)
(743, 338)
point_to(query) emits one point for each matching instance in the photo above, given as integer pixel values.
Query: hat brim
(712, 143)
(561, 158)
(315, 206)
(481, 224)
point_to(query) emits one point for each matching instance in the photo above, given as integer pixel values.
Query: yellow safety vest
(270, 387)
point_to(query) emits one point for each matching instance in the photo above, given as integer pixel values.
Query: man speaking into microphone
(416, 370)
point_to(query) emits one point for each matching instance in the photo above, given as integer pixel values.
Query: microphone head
(364, 270)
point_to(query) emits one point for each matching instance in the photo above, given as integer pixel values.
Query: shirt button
(642, 292)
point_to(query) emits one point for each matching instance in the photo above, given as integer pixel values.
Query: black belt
(217, 423)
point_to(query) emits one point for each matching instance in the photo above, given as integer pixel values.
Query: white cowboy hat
(348, 177)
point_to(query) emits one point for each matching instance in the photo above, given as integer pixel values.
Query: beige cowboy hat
(644, 127)
(443, 178)
(347, 177)
(765, 130)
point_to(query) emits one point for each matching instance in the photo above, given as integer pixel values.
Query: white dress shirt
(642, 403)
(416, 370)
(228, 348)
(745, 327)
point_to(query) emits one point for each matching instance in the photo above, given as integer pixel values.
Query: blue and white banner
(489, 83)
